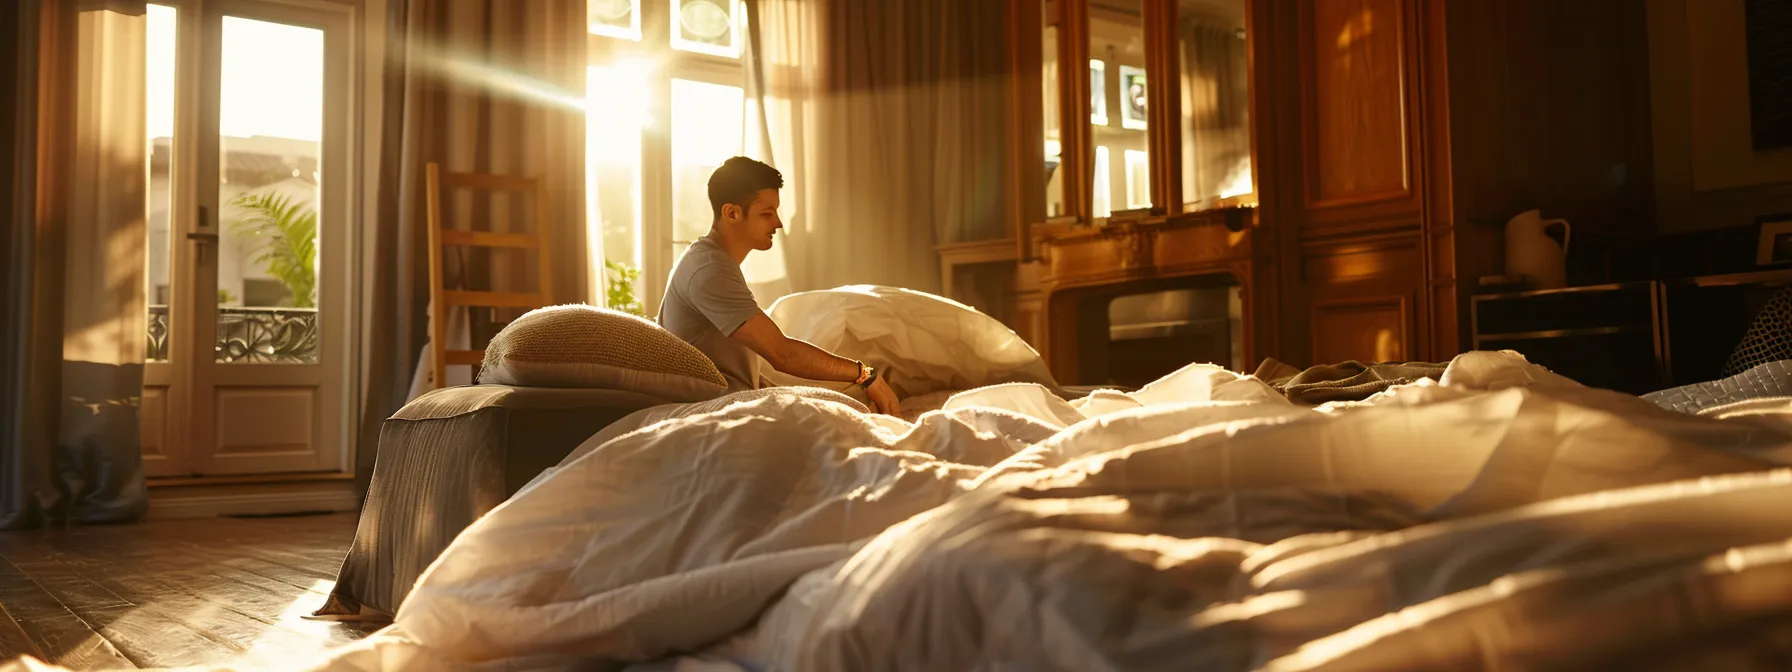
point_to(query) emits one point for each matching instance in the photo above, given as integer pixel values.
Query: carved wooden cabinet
(1141, 219)
(1297, 152)
(1360, 191)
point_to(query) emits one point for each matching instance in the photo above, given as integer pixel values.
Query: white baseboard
(202, 501)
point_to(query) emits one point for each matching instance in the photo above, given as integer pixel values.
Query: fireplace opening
(1133, 336)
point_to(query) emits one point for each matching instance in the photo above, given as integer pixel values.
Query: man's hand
(883, 399)
(804, 360)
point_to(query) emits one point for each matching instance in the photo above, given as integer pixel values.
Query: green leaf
(288, 232)
(620, 290)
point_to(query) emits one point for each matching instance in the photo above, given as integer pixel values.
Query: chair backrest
(444, 299)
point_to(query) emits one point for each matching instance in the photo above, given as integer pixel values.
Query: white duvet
(1504, 518)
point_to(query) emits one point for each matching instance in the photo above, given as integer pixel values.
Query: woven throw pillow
(589, 347)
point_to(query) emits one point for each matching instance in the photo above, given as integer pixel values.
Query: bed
(447, 458)
(1497, 516)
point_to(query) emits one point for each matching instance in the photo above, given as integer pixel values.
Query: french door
(249, 262)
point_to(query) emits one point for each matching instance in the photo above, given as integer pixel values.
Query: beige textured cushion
(590, 347)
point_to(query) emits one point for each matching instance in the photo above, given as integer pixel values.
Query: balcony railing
(248, 335)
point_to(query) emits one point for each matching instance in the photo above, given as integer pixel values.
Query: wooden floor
(173, 593)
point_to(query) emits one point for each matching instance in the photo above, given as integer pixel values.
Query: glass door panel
(159, 95)
(248, 259)
(1054, 126)
(271, 259)
(1117, 103)
(270, 120)
(1213, 59)
(161, 434)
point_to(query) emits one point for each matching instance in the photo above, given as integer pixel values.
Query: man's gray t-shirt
(707, 299)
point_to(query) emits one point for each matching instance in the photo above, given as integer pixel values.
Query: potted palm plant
(287, 232)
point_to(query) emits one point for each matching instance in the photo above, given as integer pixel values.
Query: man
(709, 305)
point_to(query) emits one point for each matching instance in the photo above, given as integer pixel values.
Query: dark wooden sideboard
(1632, 337)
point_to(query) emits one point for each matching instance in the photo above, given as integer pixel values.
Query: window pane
(1117, 99)
(1216, 102)
(615, 18)
(614, 119)
(707, 26)
(706, 131)
(159, 103)
(271, 123)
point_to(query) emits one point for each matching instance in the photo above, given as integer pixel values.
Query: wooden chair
(444, 299)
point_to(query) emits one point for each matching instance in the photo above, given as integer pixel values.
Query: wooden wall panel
(1368, 329)
(1364, 301)
(1357, 120)
(1585, 154)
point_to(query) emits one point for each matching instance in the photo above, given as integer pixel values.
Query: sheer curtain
(889, 121)
(493, 86)
(74, 455)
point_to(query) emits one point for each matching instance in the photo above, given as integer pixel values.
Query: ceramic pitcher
(1531, 252)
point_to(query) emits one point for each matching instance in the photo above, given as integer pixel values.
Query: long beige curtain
(79, 458)
(491, 86)
(890, 123)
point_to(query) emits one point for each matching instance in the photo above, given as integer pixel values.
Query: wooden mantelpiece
(1125, 256)
(1144, 248)
(1077, 262)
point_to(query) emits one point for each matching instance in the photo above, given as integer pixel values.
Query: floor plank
(174, 593)
(13, 640)
(56, 633)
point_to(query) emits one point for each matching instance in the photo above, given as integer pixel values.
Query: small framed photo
(1775, 246)
(1132, 97)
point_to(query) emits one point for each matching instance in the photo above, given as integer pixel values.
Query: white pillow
(590, 347)
(921, 343)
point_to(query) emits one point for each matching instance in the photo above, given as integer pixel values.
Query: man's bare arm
(791, 356)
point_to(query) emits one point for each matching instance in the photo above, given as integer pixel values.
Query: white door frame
(190, 431)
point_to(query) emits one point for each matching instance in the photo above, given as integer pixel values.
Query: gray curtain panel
(76, 231)
(890, 122)
(492, 86)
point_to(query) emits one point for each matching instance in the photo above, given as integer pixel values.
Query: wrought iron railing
(249, 335)
(158, 334)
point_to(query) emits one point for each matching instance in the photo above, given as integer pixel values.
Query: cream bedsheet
(1503, 518)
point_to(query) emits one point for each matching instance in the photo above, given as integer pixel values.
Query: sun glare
(273, 76)
(159, 71)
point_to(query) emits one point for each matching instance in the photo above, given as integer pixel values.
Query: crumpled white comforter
(1504, 518)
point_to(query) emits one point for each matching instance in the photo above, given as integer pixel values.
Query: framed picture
(1132, 97)
(1775, 246)
(1098, 92)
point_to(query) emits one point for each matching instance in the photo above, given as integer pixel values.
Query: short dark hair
(738, 181)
